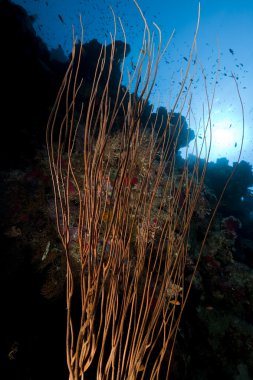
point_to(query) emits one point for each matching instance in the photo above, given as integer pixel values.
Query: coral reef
(216, 333)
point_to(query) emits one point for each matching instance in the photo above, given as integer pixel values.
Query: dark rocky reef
(29, 83)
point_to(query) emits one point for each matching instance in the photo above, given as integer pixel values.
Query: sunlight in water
(224, 135)
(226, 139)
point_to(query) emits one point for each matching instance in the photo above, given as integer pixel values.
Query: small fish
(133, 65)
(231, 51)
(61, 19)
(175, 302)
(185, 59)
(235, 144)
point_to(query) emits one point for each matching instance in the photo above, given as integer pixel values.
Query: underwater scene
(126, 190)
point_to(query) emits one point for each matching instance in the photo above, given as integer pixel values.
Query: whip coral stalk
(133, 217)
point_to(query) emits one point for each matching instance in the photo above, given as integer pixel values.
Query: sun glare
(223, 134)
(226, 139)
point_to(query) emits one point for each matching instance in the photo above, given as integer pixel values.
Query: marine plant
(116, 185)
